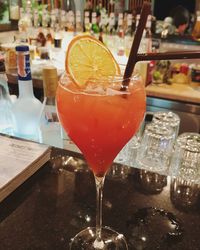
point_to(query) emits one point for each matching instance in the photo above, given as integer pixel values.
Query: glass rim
(112, 78)
(154, 130)
(167, 116)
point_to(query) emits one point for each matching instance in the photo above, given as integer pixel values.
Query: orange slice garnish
(88, 58)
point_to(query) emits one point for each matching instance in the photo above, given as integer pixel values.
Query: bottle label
(10, 59)
(23, 63)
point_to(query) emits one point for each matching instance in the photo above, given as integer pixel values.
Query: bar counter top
(177, 92)
(152, 211)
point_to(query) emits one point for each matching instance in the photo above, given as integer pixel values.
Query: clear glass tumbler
(185, 161)
(156, 147)
(167, 118)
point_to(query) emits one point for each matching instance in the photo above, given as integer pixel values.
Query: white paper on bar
(19, 159)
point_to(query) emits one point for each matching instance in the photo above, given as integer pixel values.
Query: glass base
(111, 240)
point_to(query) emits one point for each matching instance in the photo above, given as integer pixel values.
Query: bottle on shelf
(128, 34)
(27, 108)
(196, 29)
(103, 24)
(87, 24)
(57, 37)
(63, 20)
(120, 28)
(53, 19)
(88, 5)
(120, 36)
(148, 35)
(79, 27)
(36, 22)
(6, 115)
(143, 65)
(45, 18)
(111, 24)
(41, 39)
(49, 39)
(70, 21)
(50, 82)
(24, 25)
(103, 28)
(94, 28)
(109, 39)
(50, 124)
(147, 41)
(101, 39)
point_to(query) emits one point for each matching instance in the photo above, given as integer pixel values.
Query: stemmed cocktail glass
(100, 119)
(101, 107)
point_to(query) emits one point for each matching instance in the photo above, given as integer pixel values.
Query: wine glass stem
(99, 188)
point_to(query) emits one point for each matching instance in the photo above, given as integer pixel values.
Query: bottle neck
(24, 72)
(25, 89)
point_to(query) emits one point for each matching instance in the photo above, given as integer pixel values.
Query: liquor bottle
(148, 35)
(196, 29)
(45, 18)
(49, 39)
(94, 28)
(120, 36)
(141, 67)
(128, 34)
(53, 18)
(50, 124)
(27, 108)
(24, 25)
(40, 39)
(103, 25)
(129, 28)
(147, 41)
(111, 24)
(120, 28)
(57, 37)
(109, 37)
(6, 116)
(70, 21)
(79, 27)
(87, 24)
(104, 21)
(50, 82)
(63, 19)
(36, 19)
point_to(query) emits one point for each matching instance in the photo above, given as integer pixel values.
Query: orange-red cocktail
(100, 121)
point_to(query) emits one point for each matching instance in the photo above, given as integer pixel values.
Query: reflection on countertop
(59, 200)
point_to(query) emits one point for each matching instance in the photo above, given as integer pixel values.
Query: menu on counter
(19, 159)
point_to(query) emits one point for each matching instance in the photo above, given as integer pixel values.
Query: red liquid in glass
(100, 125)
